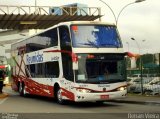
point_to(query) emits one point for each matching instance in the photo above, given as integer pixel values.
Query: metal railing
(41, 10)
(151, 85)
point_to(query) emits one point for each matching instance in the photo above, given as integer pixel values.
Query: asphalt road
(15, 106)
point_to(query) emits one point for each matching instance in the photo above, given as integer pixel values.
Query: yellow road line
(3, 100)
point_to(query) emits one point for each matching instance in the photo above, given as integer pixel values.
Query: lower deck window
(44, 70)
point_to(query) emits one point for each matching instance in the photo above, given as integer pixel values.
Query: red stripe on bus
(68, 94)
(113, 90)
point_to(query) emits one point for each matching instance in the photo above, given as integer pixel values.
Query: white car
(153, 88)
(133, 78)
(136, 86)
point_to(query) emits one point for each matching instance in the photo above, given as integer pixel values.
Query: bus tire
(20, 89)
(59, 96)
(24, 91)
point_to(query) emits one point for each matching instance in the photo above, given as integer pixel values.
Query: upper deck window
(43, 40)
(95, 36)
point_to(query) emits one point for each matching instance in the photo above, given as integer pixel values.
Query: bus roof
(86, 22)
(68, 23)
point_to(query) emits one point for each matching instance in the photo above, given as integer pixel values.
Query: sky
(140, 21)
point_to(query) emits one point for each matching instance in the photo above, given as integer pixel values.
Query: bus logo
(35, 58)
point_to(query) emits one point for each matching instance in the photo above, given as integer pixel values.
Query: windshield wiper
(92, 43)
(89, 43)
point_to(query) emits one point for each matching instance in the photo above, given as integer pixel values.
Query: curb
(3, 95)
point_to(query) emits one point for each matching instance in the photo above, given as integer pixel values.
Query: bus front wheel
(59, 96)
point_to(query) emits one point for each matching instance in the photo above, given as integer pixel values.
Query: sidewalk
(5, 91)
(140, 99)
(3, 95)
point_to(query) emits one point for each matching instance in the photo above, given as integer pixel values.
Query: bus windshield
(100, 68)
(95, 36)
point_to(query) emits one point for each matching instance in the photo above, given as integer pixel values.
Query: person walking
(1, 80)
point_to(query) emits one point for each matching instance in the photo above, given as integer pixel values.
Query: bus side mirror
(75, 65)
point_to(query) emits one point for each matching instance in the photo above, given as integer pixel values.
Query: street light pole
(139, 49)
(110, 9)
(137, 1)
(140, 58)
(128, 45)
(122, 10)
(116, 18)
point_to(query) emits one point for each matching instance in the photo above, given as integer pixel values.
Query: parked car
(135, 76)
(135, 85)
(131, 79)
(153, 88)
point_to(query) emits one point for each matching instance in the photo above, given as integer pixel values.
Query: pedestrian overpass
(42, 17)
(20, 19)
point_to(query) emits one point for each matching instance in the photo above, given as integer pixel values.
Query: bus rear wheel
(22, 90)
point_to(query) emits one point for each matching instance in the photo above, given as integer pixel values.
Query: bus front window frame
(91, 36)
(116, 73)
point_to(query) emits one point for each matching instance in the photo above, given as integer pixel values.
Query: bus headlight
(83, 90)
(122, 88)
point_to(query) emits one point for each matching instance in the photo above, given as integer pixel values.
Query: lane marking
(3, 100)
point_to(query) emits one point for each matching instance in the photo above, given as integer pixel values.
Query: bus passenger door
(65, 45)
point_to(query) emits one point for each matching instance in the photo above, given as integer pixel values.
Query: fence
(148, 85)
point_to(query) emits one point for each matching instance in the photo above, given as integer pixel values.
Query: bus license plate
(104, 96)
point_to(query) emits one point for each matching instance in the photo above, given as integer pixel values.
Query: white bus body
(68, 61)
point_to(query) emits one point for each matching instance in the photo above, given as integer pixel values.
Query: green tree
(146, 59)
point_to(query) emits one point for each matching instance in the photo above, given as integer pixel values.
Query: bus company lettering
(35, 58)
(103, 85)
(55, 58)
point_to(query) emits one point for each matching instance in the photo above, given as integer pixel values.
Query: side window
(65, 41)
(67, 67)
(44, 70)
(43, 40)
(50, 37)
(40, 72)
(31, 69)
(52, 69)
(35, 43)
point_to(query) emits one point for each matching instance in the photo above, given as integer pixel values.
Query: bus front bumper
(82, 97)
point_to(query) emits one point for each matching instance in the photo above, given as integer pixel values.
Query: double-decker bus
(78, 61)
